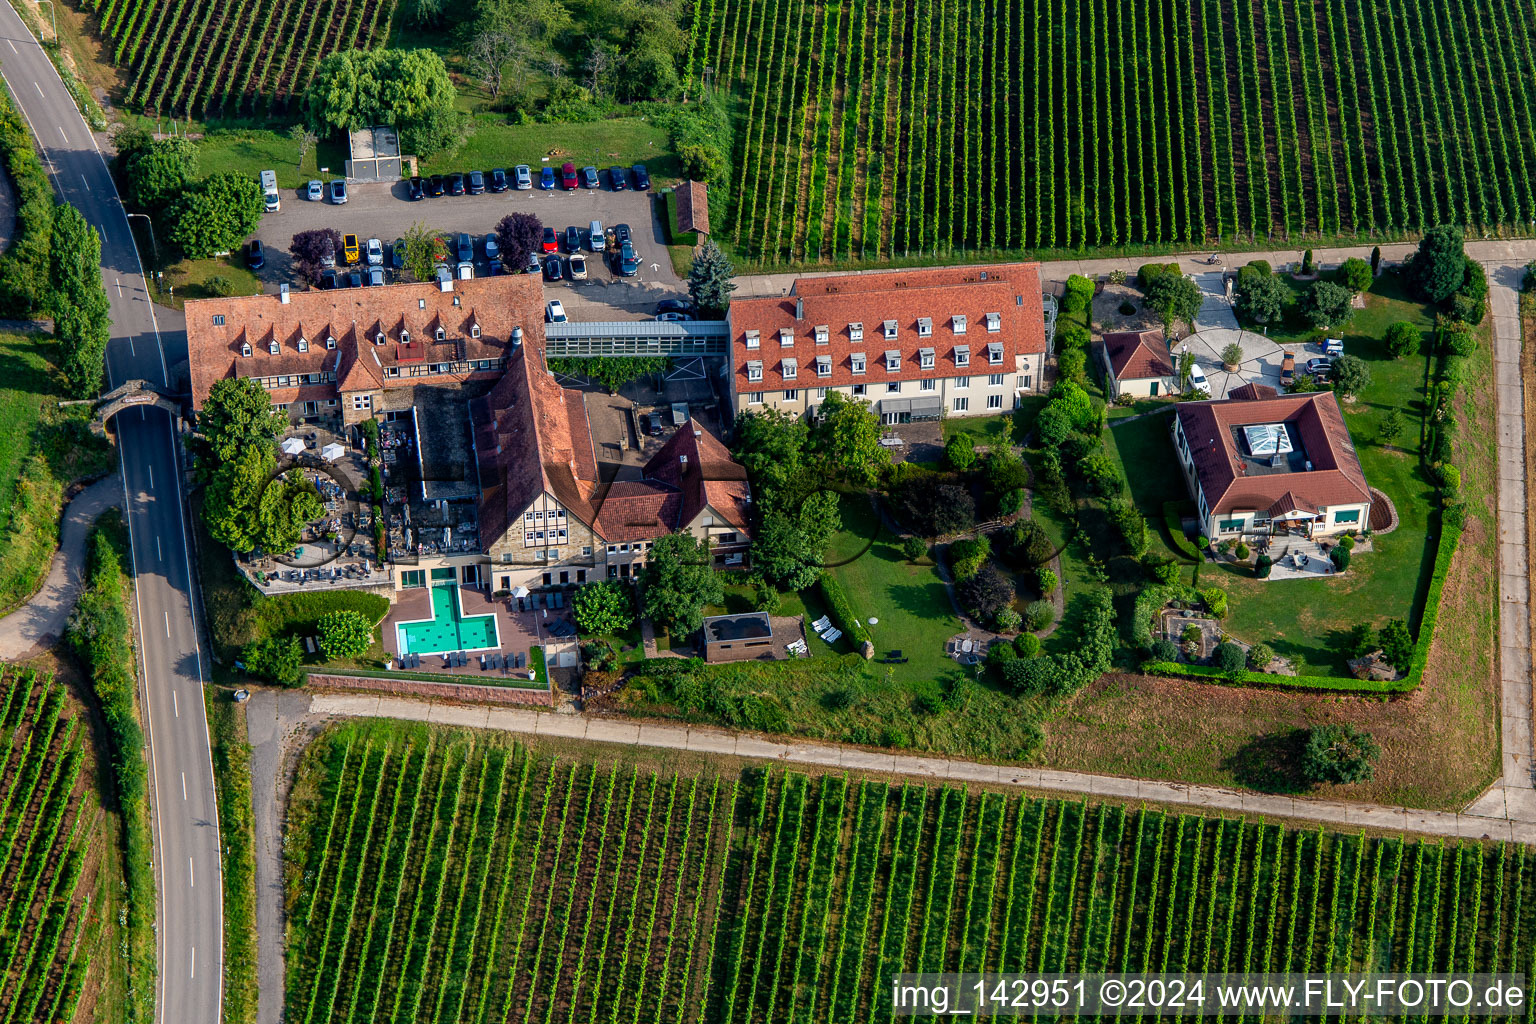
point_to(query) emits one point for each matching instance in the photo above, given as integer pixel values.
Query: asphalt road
(190, 912)
(378, 210)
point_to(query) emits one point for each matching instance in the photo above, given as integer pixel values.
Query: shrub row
(24, 286)
(1331, 683)
(841, 609)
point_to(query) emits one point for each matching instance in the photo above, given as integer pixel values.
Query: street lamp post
(154, 246)
(55, 12)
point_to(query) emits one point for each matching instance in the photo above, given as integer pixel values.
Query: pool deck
(519, 631)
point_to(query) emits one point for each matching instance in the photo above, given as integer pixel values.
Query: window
(994, 322)
(789, 369)
(994, 380)
(962, 404)
(528, 517)
(1350, 516)
(587, 550)
(379, 339)
(506, 556)
(822, 392)
(330, 342)
(754, 398)
(413, 578)
(303, 344)
(855, 332)
(421, 303)
(857, 359)
(890, 330)
(926, 384)
(1229, 525)
(892, 361)
(272, 346)
(925, 358)
(727, 538)
(474, 330)
(754, 371)
(994, 401)
(440, 334)
(791, 395)
(456, 300)
(1024, 382)
(924, 327)
(823, 368)
(958, 322)
(962, 355)
(581, 575)
(245, 350)
(752, 339)
(823, 334)
(548, 577)
(405, 336)
(528, 537)
(893, 388)
(560, 512)
(786, 337)
(361, 402)
(995, 353)
(962, 382)
(858, 391)
(218, 319)
(539, 516)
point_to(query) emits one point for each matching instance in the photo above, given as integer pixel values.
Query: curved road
(190, 905)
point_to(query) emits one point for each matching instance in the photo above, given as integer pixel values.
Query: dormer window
(752, 340)
(892, 361)
(440, 334)
(405, 336)
(924, 327)
(824, 366)
(474, 330)
(995, 353)
(958, 320)
(303, 344)
(925, 358)
(789, 369)
(273, 347)
(855, 332)
(330, 342)
(890, 330)
(786, 337)
(823, 334)
(962, 355)
(379, 339)
(754, 371)
(994, 322)
(245, 349)
(858, 362)
(218, 319)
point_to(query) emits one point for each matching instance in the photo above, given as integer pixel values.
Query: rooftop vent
(517, 336)
(282, 293)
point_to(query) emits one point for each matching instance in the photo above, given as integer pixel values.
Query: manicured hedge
(24, 284)
(841, 610)
(1449, 538)
(535, 659)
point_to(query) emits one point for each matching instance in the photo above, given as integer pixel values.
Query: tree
(1471, 298)
(1306, 262)
(1260, 295)
(1375, 259)
(1327, 305)
(490, 51)
(520, 235)
(646, 73)
(847, 436)
(409, 89)
(1439, 264)
(782, 553)
(1038, 615)
(215, 215)
(344, 634)
(1232, 354)
(1164, 650)
(1402, 339)
(914, 548)
(312, 249)
(770, 444)
(1186, 369)
(1396, 644)
(934, 511)
(603, 608)
(1074, 402)
(277, 659)
(1391, 426)
(1339, 754)
(1029, 544)
(82, 322)
(425, 249)
(710, 281)
(967, 555)
(1102, 475)
(1230, 658)
(679, 582)
(1355, 274)
(960, 452)
(1259, 656)
(1351, 375)
(237, 417)
(1175, 298)
(305, 138)
(1072, 364)
(231, 498)
(156, 172)
(285, 507)
(1052, 425)
(986, 593)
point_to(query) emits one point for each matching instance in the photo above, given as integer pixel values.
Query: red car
(568, 176)
(551, 242)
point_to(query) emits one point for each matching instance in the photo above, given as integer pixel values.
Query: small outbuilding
(1138, 363)
(739, 637)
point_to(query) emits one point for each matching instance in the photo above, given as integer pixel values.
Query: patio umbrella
(332, 452)
(519, 591)
(292, 446)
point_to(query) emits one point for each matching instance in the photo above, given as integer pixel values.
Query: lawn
(988, 430)
(620, 140)
(215, 277)
(253, 151)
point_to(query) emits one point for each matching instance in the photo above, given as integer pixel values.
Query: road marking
(183, 785)
(191, 875)
(150, 468)
(175, 704)
(194, 963)
(114, 280)
(158, 553)
(13, 47)
(87, 188)
(61, 131)
(35, 85)
(167, 625)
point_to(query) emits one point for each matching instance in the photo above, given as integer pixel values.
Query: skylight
(1265, 439)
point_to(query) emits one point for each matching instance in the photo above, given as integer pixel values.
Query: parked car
(466, 271)
(621, 234)
(375, 252)
(464, 247)
(629, 263)
(547, 179)
(589, 177)
(327, 279)
(1333, 346)
(1317, 367)
(533, 264)
(642, 177)
(315, 192)
(397, 254)
(597, 240)
(436, 186)
(675, 318)
(456, 186)
(568, 175)
(578, 267)
(349, 249)
(492, 249)
(1197, 381)
(255, 255)
(417, 189)
(376, 275)
(355, 279)
(554, 312)
(552, 269)
(551, 242)
(1287, 369)
(522, 177)
(498, 179)
(618, 179)
(476, 183)
(572, 239)
(674, 306)
(338, 191)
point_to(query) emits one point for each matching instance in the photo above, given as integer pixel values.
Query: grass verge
(232, 782)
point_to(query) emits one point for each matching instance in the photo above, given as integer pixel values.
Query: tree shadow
(1270, 763)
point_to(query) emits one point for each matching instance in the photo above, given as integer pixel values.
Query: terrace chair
(831, 636)
(520, 661)
(822, 624)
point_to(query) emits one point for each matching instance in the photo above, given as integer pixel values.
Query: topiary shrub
(914, 548)
(1165, 650)
(1203, 542)
(1230, 658)
(1027, 645)
(1242, 552)
(1038, 615)
(1340, 558)
(1347, 542)
(1216, 600)
(1079, 294)
(1306, 262)
(1402, 339)
(1263, 566)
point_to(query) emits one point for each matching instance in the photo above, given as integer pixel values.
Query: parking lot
(384, 211)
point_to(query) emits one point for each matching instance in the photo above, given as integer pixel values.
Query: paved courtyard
(516, 631)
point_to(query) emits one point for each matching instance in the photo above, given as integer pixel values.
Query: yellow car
(349, 249)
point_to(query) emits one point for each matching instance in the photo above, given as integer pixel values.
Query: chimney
(799, 309)
(282, 293)
(517, 337)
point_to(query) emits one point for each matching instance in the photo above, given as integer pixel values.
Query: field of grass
(624, 140)
(450, 873)
(251, 151)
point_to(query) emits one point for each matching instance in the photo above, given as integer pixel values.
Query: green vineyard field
(880, 129)
(45, 840)
(449, 876)
(228, 57)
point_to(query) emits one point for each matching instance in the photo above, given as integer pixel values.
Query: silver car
(375, 251)
(314, 191)
(522, 177)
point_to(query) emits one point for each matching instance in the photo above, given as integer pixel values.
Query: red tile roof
(354, 318)
(1335, 478)
(692, 207)
(1250, 391)
(708, 478)
(936, 295)
(1138, 355)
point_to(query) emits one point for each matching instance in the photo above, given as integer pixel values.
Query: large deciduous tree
(237, 417)
(312, 249)
(1351, 375)
(1327, 305)
(409, 89)
(603, 608)
(157, 171)
(81, 320)
(678, 582)
(847, 435)
(519, 235)
(1175, 298)
(215, 215)
(344, 634)
(1260, 295)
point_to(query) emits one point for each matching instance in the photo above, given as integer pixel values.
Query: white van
(269, 191)
(596, 240)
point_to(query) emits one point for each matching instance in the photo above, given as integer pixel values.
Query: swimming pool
(448, 629)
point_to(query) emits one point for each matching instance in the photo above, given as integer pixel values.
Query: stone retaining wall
(420, 688)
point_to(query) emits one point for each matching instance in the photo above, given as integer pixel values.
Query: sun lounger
(822, 624)
(831, 635)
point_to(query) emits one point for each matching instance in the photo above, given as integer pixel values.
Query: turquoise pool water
(448, 629)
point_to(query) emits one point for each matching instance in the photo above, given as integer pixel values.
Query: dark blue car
(547, 179)
(641, 176)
